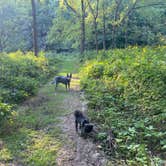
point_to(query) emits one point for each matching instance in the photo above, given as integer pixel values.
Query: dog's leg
(56, 85)
(66, 86)
(69, 85)
(82, 132)
(76, 125)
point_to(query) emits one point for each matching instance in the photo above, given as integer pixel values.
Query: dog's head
(88, 128)
(69, 75)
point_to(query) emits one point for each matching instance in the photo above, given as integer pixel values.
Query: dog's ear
(67, 75)
(70, 75)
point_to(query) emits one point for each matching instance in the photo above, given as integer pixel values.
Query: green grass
(35, 136)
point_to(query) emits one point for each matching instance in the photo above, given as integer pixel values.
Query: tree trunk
(1, 47)
(113, 37)
(104, 28)
(34, 27)
(82, 44)
(96, 35)
(116, 17)
(126, 37)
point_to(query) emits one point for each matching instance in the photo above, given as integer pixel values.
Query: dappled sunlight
(34, 147)
(75, 83)
(43, 149)
(102, 59)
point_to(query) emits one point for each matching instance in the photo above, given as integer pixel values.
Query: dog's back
(63, 79)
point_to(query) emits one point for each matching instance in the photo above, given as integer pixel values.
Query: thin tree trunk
(34, 26)
(1, 47)
(96, 35)
(104, 28)
(82, 44)
(116, 17)
(126, 37)
(113, 37)
(95, 16)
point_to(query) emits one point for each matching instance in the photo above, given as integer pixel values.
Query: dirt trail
(77, 151)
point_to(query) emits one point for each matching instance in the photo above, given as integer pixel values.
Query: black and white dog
(83, 122)
(62, 79)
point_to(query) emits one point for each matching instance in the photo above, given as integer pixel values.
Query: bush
(22, 74)
(20, 77)
(6, 116)
(126, 88)
(5, 112)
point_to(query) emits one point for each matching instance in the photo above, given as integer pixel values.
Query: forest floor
(44, 133)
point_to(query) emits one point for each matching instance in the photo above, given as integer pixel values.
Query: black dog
(83, 122)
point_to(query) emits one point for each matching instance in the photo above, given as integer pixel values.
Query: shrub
(126, 89)
(20, 77)
(22, 74)
(6, 116)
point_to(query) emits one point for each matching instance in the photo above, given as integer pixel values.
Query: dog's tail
(54, 81)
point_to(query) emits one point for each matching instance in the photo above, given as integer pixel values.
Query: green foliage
(37, 138)
(58, 26)
(126, 90)
(5, 112)
(16, 27)
(22, 74)
(7, 116)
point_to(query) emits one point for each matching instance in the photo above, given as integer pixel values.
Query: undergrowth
(31, 134)
(126, 93)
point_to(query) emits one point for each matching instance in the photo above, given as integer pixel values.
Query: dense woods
(121, 48)
(73, 25)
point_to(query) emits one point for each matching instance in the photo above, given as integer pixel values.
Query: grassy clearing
(35, 137)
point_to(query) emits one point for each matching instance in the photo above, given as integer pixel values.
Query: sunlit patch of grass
(70, 65)
(42, 150)
(31, 147)
(5, 155)
(38, 136)
(15, 144)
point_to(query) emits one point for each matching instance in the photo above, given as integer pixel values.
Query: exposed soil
(77, 151)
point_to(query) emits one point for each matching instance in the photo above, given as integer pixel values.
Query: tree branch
(95, 15)
(71, 8)
(129, 11)
(151, 5)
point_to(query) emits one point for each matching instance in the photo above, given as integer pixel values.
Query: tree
(34, 26)
(72, 26)
(78, 8)
(94, 11)
(104, 24)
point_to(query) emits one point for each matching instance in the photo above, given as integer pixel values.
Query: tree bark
(126, 37)
(82, 44)
(104, 27)
(95, 16)
(96, 35)
(34, 27)
(113, 36)
(81, 17)
(116, 17)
